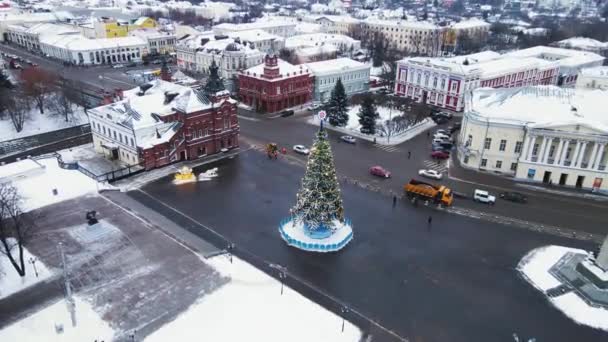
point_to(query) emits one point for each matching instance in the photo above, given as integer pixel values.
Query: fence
(105, 177)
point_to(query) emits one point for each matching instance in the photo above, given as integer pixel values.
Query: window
(434, 82)
(503, 145)
(484, 162)
(114, 132)
(487, 144)
(466, 159)
(469, 141)
(454, 87)
(513, 166)
(518, 146)
(132, 143)
(104, 130)
(226, 122)
(499, 164)
(551, 151)
(278, 90)
(535, 149)
(200, 133)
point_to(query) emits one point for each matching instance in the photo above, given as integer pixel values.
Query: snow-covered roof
(469, 24)
(540, 106)
(304, 28)
(333, 66)
(255, 35)
(583, 43)
(597, 72)
(286, 70)
(229, 27)
(316, 39)
(76, 42)
(401, 23)
(35, 17)
(346, 19)
(564, 57)
(140, 21)
(475, 57)
(316, 50)
(149, 33)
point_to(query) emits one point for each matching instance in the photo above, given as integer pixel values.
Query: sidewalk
(482, 178)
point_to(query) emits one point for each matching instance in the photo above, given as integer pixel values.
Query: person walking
(430, 220)
(409, 154)
(394, 201)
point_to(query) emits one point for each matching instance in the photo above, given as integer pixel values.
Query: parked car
(456, 126)
(118, 66)
(157, 61)
(441, 136)
(446, 115)
(514, 197)
(483, 197)
(440, 141)
(132, 64)
(443, 131)
(440, 155)
(439, 147)
(446, 145)
(314, 107)
(430, 174)
(348, 139)
(440, 120)
(287, 113)
(301, 149)
(379, 171)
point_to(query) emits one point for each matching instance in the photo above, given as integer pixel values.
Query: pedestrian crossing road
(388, 148)
(437, 165)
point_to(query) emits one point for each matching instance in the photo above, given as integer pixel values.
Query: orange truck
(418, 190)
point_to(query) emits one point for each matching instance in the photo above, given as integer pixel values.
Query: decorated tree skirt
(322, 240)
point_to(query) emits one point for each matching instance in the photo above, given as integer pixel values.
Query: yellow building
(144, 22)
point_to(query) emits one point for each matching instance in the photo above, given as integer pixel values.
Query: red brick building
(162, 122)
(275, 85)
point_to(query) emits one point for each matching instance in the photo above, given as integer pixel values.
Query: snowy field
(36, 189)
(354, 128)
(250, 308)
(11, 282)
(535, 266)
(37, 123)
(41, 326)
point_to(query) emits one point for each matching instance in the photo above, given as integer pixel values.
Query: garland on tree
(319, 201)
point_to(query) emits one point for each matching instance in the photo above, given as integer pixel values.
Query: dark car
(456, 126)
(440, 155)
(439, 147)
(287, 113)
(514, 197)
(440, 119)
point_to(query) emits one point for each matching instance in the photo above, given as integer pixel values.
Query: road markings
(430, 164)
(247, 118)
(388, 148)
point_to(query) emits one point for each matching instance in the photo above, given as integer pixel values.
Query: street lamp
(32, 261)
(344, 310)
(282, 276)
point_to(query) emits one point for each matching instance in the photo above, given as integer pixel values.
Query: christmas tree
(319, 201)
(368, 115)
(214, 82)
(337, 107)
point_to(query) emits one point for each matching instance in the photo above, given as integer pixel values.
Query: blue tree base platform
(321, 240)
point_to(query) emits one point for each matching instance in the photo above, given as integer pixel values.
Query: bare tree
(16, 227)
(18, 110)
(37, 83)
(65, 98)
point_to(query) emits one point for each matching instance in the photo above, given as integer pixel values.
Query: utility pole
(68, 288)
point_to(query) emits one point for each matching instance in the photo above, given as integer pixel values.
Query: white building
(444, 82)
(196, 54)
(261, 40)
(338, 24)
(278, 27)
(570, 61)
(417, 37)
(77, 49)
(158, 42)
(354, 76)
(7, 19)
(584, 44)
(341, 42)
(28, 35)
(593, 78)
(538, 134)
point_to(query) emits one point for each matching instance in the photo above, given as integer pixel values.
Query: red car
(379, 171)
(440, 155)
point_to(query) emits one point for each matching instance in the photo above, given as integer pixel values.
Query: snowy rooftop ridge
(285, 69)
(600, 72)
(400, 23)
(583, 42)
(542, 106)
(335, 65)
(564, 57)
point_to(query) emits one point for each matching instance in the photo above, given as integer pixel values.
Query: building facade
(541, 134)
(277, 27)
(338, 24)
(158, 42)
(444, 82)
(413, 37)
(354, 76)
(78, 50)
(275, 85)
(198, 53)
(28, 35)
(160, 123)
(593, 78)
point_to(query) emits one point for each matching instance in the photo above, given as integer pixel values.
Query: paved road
(353, 161)
(97, 76)
(453, 282)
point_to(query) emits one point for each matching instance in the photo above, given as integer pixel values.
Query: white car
(483, 197)
(301, 149)
(348, 139)
(118, 66)
(314, 106)
(442, 131)
(430, 174)
(441, 136)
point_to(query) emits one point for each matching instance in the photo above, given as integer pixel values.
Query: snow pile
(251, 308)
(37, 123)
(354, 128)
(41, 326)
(11, 282)
(37, 189)
(535, 267)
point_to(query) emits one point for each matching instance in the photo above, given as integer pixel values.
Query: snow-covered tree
(319, 201)
(368, 115)
(337, 106)
(15, 227)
